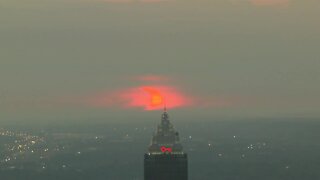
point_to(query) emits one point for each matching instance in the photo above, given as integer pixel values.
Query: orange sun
(153, 97)
(156, 99)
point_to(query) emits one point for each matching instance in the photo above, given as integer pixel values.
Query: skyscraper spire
(165, 158)
(165, 135)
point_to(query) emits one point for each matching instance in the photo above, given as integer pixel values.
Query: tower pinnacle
(165, 136)
(165, 158)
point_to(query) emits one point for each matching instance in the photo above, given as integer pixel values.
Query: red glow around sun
(154, 97)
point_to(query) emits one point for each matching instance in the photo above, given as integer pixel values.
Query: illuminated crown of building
(166, 138)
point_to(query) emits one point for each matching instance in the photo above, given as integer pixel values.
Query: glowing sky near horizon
(155, 97)
(147, 96)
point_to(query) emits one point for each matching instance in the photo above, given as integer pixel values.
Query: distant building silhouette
(165, 159)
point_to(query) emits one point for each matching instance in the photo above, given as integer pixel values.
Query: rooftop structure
(165, 159)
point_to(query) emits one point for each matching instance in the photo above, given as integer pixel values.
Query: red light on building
(165, 149)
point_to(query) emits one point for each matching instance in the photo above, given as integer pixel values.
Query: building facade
(165, 159)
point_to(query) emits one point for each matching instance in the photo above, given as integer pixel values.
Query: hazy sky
(242, 58)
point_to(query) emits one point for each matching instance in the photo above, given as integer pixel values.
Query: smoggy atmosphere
(159, 89)
(81, 59)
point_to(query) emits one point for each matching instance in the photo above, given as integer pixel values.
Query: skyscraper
(165, 159)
